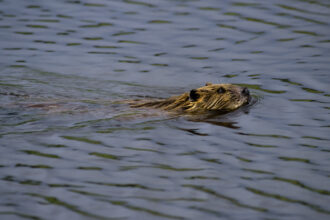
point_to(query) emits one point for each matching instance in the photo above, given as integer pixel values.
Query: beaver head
(217, 97)
(211, 97)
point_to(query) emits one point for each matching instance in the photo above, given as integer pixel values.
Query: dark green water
(78, 154)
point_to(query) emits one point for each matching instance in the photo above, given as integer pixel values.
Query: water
(80, 154)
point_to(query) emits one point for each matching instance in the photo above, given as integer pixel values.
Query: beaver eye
(221, 90)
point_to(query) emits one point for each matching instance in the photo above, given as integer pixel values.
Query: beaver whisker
(214, 103)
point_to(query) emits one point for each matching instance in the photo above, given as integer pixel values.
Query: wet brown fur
(211, 97)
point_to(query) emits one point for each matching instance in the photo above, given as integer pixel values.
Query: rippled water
(71, 149)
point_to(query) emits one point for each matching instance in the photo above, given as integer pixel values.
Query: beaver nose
(245, 91)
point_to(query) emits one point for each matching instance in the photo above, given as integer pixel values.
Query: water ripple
(73, 147)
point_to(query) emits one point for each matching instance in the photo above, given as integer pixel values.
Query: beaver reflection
(221, 98)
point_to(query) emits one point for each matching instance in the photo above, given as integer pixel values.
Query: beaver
(221, 98)
(211, 98)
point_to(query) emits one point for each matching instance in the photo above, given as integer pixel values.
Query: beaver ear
(208, 84)
(193, 95)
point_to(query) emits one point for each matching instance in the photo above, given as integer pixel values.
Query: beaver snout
(245, 91)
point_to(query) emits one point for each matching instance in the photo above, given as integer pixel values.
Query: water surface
(78, 153)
